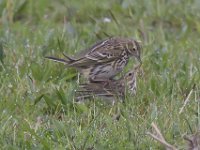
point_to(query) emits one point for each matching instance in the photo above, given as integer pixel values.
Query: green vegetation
(36, 95)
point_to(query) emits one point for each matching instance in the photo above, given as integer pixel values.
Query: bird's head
(134, 48)
(130, 78)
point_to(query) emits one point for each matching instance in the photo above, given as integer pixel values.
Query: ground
(36, 95)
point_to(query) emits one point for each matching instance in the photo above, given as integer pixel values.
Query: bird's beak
(139, 59)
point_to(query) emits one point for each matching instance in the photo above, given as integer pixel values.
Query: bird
(116, 89)
(105, 59)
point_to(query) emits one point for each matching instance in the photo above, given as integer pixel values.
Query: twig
(159, 137)
(186, 101)
(163, 142)
(157, 131)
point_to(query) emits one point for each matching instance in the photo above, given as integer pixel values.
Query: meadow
(37, 95)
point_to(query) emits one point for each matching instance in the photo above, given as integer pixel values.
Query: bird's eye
(130, 74)
(134, 49)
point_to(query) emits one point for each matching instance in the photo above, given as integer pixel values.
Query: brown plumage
(113, 90)
(105, 59)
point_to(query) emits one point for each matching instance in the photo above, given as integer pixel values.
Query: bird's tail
(69, 58)
(67, 61)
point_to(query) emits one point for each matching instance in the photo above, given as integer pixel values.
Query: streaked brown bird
(105, 59)
(116, 89)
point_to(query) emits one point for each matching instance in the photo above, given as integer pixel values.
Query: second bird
(116, 89)
(105, 59)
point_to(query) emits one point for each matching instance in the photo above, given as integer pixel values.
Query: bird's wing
(105, 52)
(102, 52)
(91, 87)
(90, 90)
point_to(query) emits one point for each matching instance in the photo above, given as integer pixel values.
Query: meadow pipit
(114, 89)
(105, 59)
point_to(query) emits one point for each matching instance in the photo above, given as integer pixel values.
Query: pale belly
(106, 71)
(102, 72)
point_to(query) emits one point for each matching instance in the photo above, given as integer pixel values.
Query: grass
(36, 95)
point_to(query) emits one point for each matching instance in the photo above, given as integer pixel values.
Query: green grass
(36, 95)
